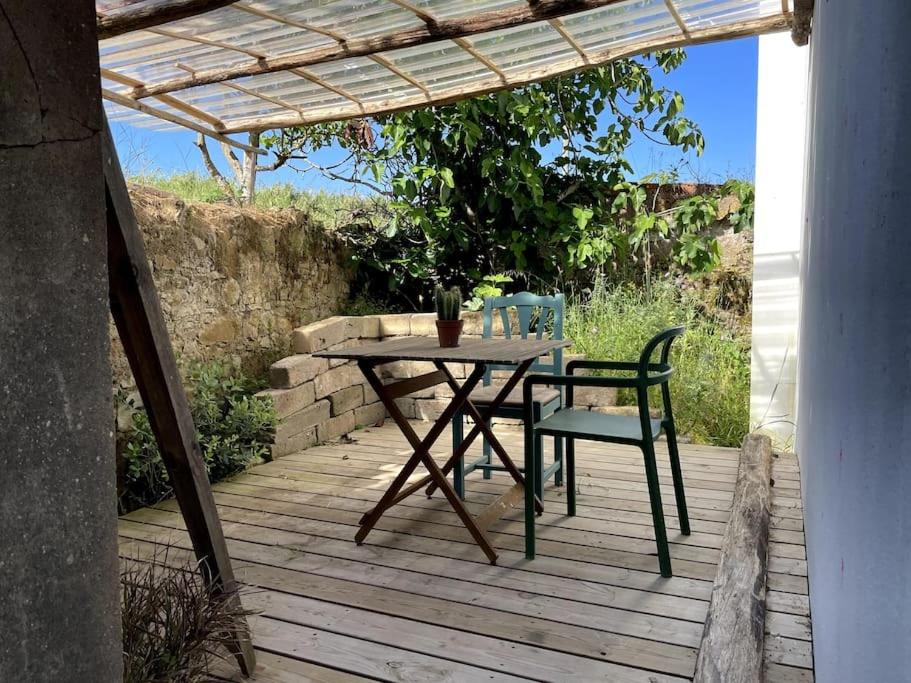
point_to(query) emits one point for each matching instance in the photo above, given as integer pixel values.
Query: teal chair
(547, 312)
(639, 430)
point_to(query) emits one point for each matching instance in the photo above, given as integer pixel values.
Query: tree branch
(213, 169)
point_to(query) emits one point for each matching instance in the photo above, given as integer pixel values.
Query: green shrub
(233, 426)
(711, 386)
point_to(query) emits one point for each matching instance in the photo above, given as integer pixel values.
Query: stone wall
(235, 282)
(319, 400)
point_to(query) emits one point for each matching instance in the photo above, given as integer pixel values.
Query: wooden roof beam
(430, 19)
(443, 29)
(681, 24)
(177, 104)
(558, 26)
(149, 13)
(130, 103)
(753, 27)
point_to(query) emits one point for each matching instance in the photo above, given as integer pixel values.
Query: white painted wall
(854, 407)
(780, 147)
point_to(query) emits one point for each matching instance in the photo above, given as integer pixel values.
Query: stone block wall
(319, 400)
(233, 282)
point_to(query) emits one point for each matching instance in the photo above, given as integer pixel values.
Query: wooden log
(443, 29)
(733, 638)
(140, 324)
(803, 17)
(140, 15)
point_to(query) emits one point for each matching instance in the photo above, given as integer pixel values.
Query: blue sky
(718, 82)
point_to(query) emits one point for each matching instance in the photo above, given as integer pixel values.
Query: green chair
(545, 400)
(642, 430)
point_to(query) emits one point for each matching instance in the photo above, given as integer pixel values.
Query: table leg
(421, 452)
(482, 425)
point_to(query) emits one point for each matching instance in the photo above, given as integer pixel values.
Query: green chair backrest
(529, 307)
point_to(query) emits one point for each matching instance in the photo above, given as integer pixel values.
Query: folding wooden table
(478, 352)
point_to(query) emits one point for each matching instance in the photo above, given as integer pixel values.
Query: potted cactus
(449, 311)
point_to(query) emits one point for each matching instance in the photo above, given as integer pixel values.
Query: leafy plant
(174, 625)
(488, 287)
(233, 426)
(476, 187)
(711, 385)
(448, 303)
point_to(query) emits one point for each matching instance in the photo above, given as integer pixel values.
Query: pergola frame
(133, 299)
(430, 29)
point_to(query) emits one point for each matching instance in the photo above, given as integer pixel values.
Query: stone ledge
(294, 370)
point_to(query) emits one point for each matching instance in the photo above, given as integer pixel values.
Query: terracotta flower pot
(448, 332)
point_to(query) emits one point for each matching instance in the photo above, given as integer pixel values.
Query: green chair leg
(458, 472)
(529, 493)
(654, 494)
(570, 464)
(679, 494)
(539, 457)
(558, 457)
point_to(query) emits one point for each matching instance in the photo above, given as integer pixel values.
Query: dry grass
(175, 626)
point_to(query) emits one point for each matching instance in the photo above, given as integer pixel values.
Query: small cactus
(448, 304)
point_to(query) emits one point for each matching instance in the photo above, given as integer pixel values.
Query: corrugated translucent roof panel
(257, 64)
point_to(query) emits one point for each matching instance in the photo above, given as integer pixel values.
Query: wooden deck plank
(788, 656)
(473, 618)
(273, 668)
(600, 617)
(419, 602)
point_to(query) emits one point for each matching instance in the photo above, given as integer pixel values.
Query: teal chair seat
(543, 395)
(545, 315)
(569, 424)
(585, 424)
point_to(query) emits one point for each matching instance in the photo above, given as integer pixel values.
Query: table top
(499, 350)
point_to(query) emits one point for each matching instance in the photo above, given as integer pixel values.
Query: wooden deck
(419, 602)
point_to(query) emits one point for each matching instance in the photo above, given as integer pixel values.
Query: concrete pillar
(781, 112)
(854, 403)
(58, 552)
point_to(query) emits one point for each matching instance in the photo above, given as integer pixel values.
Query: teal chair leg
(682, 515)
(654, 494)
(458, 472)
(530, 484)
(487, 450)
(558, 457)
(570, 463)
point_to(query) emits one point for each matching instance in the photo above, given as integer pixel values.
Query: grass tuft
(710, 390)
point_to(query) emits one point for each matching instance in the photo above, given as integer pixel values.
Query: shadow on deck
(419, 602)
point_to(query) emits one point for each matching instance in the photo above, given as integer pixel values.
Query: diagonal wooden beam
(140, 15)
(130, 103)
(430, 19)
(179, 105)
(141, 327)
(681, 24)
(404, 75)
(443, 29)
(176, 35)
(558, 26)
(247, 91)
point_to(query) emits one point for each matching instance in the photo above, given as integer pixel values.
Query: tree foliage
(533, 181)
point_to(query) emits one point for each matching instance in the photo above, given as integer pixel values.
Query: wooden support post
(137, 314)
(733, 639)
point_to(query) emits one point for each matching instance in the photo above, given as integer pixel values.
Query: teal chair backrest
(545, 310)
